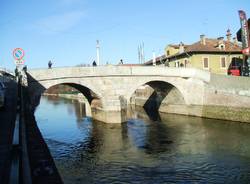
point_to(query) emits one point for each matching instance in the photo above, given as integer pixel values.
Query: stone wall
(227, 97)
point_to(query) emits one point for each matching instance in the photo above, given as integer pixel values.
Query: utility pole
(97, 52)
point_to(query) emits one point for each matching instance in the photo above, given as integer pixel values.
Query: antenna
(139, 54)
(143, 57)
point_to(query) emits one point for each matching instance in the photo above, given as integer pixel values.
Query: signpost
(18, 54)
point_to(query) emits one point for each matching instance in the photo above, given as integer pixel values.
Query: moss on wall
(226, 113)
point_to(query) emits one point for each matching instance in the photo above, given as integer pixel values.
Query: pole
(97, 52)
(154, 59)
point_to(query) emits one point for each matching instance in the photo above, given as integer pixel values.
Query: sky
(65, 31)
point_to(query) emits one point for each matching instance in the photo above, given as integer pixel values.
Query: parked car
(2, 94)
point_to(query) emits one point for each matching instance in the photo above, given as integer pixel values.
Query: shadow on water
(148, 133)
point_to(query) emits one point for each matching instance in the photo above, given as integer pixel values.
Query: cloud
(60, 23)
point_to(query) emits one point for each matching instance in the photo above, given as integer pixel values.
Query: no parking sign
(18, 54)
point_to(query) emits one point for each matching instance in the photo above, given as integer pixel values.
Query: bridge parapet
(102, 71)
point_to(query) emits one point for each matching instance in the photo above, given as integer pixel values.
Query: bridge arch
(161, 85)
(37, 88)
(89, 94)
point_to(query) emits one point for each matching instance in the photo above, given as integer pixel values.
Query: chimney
(181, 47)
(220, 40)
(235, 41)
(202, 39)
(228, 35)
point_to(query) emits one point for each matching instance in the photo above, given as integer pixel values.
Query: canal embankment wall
(41, 164)
(225, 97)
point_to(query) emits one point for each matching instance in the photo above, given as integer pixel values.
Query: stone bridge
(109, 88)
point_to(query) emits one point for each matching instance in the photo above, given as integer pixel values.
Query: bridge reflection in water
(171, 148)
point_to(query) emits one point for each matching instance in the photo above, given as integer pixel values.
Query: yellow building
(214, 55)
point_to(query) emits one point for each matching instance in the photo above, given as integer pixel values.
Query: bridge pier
(114, 111)
(108, 116)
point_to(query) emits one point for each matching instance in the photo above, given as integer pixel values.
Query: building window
(168, 53)
(177, 64)
(185, 62)
(223, 62)
(205, 63)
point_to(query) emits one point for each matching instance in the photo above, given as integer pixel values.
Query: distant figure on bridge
(94, 63)
(25, 68)
(121, 62)
(16, 72)
(50, 64)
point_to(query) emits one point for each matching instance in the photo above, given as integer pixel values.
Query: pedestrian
(94, 63)
(121, 62)
(50, 64)
(25, 68)
(16, 72)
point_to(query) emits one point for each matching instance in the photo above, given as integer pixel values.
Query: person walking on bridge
(50, 64)
(121, 62)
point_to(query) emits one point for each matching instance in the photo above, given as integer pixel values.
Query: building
(215, 55)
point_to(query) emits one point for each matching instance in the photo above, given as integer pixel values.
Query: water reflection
(177, 149)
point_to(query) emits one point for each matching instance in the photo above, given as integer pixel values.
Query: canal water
(172, 149)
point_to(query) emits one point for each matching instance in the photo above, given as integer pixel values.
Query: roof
(210, 46)
(157, 60)
(176, 46)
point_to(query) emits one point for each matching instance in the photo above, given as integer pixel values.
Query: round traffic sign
(18, 53)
